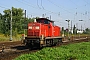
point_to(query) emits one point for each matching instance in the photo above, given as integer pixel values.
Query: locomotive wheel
(49, 42)
(52, 42)
(59, 41)
(29, 45)
(40, 47)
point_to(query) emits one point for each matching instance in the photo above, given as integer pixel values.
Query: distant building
(79, 31)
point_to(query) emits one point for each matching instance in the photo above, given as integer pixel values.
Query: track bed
(15, 49)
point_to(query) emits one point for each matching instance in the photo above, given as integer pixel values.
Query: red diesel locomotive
(42, 32)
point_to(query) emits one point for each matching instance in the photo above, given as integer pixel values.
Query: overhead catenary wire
(79, 7)
(86, 1)
(59, 6)
(26, 4)
(88, 9)
(41, 4)
(36, 7)
(3, 7)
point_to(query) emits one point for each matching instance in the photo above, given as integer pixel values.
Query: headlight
(37, 27)
(30, 27)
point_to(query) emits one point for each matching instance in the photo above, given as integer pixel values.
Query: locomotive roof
(45, 19)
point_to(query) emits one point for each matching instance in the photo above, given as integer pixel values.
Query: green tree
(0, 22)
(19, 23)
(17, 16)
(87, 31)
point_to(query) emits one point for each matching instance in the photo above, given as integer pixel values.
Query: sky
(59, 10)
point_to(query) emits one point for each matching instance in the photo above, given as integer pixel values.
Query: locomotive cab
(44, 21)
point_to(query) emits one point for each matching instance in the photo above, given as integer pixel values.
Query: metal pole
(11, 26)
(50, 17)
(71, 27)
(68, 27)
(25, 22)
(81, 28)
(25, 15)
(81, 24)
(43, 15)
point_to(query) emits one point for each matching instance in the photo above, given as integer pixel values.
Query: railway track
(14, 49)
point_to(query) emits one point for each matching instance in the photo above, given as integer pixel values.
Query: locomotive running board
(53, 37)
(32, 37)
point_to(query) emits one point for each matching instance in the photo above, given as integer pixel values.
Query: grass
(4, 38)
(77, 51)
